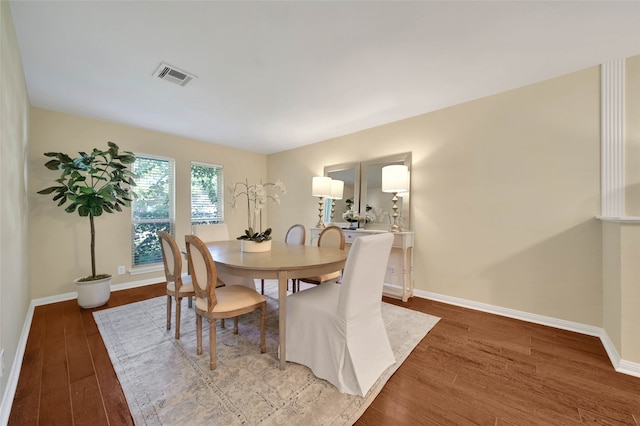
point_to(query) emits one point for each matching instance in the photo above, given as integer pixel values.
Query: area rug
(166, 383)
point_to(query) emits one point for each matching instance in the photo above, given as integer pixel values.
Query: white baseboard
(14, 374)
(621, 366)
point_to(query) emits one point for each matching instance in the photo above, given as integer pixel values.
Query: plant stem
(248, 205)
(93, 246)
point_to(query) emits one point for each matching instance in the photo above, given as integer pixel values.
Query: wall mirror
(363, 194)
(349, 173)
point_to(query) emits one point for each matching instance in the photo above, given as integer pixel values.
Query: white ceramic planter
(92, 294)
(253, 247)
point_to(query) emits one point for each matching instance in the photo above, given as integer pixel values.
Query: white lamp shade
(395, 178)
(337, 188)
(321, 186)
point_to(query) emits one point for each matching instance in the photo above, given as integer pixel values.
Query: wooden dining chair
(332, 237)
(220, 232)
(219, 303)
(177, 286)
(296, 234)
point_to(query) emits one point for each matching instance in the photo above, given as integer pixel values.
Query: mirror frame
(360, 184)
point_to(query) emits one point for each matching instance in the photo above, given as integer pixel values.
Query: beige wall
(611, 279)
(621, 241)
(504, 194)
(60, 241)
(14, 122)
(629, 348)
(632, 136)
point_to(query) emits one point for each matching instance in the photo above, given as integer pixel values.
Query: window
(153, 208)
(207, 202)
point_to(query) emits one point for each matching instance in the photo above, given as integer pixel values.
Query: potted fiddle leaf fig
(90, 185)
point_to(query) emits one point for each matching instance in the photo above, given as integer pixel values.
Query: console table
(399, 277)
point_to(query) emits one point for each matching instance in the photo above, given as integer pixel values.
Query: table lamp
(321, 187)
(337, 188)
(395, 179)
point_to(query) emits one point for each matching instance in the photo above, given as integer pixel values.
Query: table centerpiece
(258, 195)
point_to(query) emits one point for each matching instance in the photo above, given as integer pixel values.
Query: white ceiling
(278, 75)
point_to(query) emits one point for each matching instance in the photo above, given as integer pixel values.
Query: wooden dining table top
(293, 258)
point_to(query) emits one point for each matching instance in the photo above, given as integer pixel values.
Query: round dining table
(283, 262)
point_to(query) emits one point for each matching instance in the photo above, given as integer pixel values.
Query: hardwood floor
(472, 368)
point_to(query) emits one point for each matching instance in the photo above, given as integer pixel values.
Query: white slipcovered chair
(220, 232)
(337, 329)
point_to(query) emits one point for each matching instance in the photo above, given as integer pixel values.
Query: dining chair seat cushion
(231, 298)
(319, 279)
(186, 287)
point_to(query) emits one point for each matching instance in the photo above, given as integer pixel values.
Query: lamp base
(395, 227)
(320, 208)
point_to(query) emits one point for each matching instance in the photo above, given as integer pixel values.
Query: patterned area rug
(166, 383)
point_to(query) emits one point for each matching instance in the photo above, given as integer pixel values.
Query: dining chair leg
(261, 286)
(199, 334)
(190, 302)
(168, 312)
(263, 314)
(212, 344)
(178, 306)
(235, 325)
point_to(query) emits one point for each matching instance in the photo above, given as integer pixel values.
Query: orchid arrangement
(257, 195)
(351, 216)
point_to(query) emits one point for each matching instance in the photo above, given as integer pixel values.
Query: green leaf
(52, 164)
(127, 158)
(49, 190)
(58, 196)
(87, 190)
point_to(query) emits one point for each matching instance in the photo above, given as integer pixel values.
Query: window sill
(146, 269)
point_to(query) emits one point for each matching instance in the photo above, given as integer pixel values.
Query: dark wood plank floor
(472, 368)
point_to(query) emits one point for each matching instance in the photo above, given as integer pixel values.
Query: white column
(612, 138)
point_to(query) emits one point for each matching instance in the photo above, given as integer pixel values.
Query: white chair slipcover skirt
(337, 329)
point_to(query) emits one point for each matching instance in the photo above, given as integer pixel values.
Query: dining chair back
(211, 232)
(177, 286)
(337, 330)
(296, 234)
(331, 237)
(215, 303)
(220, 232)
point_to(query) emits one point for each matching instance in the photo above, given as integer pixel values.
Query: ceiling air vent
(173, 75)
